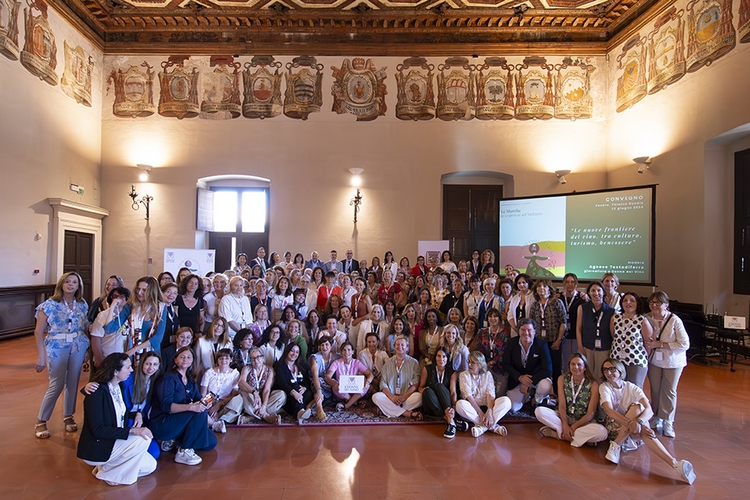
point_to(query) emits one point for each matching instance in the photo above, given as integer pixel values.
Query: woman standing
(571, 300)
(578, 402)
(235, 307)
(273, 347)
(630, 331)
(314, 328)
(282, 297)
(389, 264)
(475, 265)
(214, 298)
(178, 414)
(611, 295)
(628, 411)
(399, 328)
(667, 360)
(592, 332)
(491, 342)
(144, 315)
(61, 343)
(169, 293)
(118, 451)
(473, 297)
(471, 331)
(207, 346)
(520, 304)
(430, 336)
(447, 263)
(361, 304)
(549, 315)
(260, 313)
(458, 354)
(190, 303)
(489, 301)
(488, 262)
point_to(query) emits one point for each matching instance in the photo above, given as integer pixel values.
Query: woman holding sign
(666, 361)
(341, 377)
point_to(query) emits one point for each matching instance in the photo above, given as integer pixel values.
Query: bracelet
(640, 421)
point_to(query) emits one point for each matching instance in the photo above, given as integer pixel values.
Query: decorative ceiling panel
(365, 27)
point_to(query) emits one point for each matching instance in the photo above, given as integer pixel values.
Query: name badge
(68, 338)
(353, 384)
(658, 356)
(598, 344)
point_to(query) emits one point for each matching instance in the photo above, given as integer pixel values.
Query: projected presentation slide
(588, 234)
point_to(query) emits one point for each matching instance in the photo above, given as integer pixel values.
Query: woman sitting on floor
(479, 404)
(434, 385)
(627, 414)
(119, 453)
(398, 394)
(221, 380)
(177, 413)
(345, 366)
(292, 377)
(256, 400)
(579, 406)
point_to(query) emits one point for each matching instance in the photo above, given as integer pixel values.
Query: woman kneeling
(119, 453)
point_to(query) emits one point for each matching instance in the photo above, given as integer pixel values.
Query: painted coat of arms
(359, 89)
(666, 51)
(456, 90)
(573, 89)
(631, 82)
(710, 32)
(76, 78)
(39, 54)
(221, 90)
(262, 88)
(416, 99)
(9, 28)
(179, 89)
(743, 27)
(534, 96)
(134, 92)
(495, 98)
(304, 89)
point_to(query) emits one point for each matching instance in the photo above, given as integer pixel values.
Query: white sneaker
(220, 427)
(187, 456)
(613, 454)
(478, 430)
(654, 423)
(685, 470)
(630, 444)
(667, 429)
(303, 415)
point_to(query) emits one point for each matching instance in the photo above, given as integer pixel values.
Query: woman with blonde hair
(479, 404)
(61, 343)
(235, 306)
(144, 314)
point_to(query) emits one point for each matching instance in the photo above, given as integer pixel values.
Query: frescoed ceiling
(364, 27)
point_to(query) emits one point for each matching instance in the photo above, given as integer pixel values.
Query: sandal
(340, 407)
(70, 424)
(41, 431)
(415, 415)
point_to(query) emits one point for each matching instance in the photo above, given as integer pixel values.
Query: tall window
(240, 210)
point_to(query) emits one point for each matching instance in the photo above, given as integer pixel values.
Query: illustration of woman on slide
(535, 270)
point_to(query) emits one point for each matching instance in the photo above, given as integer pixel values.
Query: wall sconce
(561, 176)
(145, 201)
(643, 163)
(356, 182)
(145, 171)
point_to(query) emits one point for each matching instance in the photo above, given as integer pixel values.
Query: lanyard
(598, 318)
(575, 391)
(544, 310)
(572, 299)
(439, 377)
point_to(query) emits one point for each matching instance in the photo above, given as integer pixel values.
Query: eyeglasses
(655, 303)
(609, 369)
(253, 358)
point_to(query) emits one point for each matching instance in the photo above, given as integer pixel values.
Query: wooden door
(470, 218)
(742, 222)
(78, 256)
(244, 242)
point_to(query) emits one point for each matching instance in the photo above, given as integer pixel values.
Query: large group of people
(175, 360)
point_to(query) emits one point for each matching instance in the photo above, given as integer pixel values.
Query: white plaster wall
(307, 164)
(47, 141)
